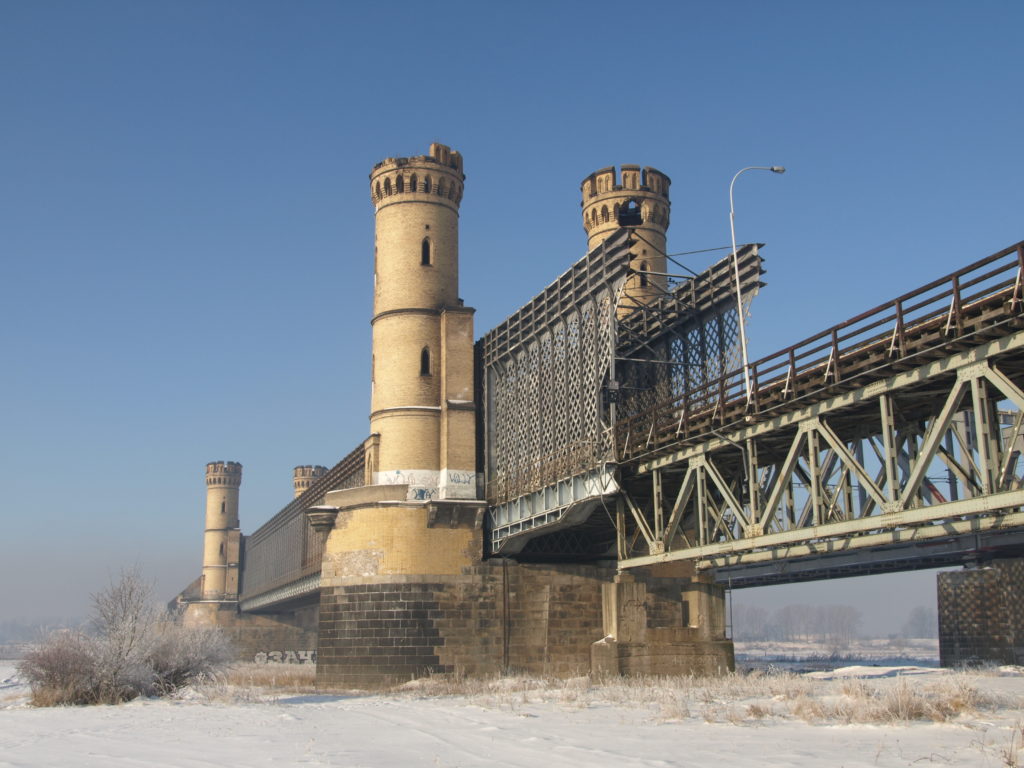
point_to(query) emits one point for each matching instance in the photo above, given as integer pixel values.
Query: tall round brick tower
(643, 193)
(222, 536)
(421, 408)
(401, 547)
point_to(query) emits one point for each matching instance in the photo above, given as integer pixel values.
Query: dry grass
(272, 678)
(737, 699)
(743, 700)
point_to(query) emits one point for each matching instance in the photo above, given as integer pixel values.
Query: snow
(585, 724)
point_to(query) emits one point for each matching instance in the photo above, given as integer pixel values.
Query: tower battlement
(434, 177)
(303, 477)
(605, 191)
(227, 473)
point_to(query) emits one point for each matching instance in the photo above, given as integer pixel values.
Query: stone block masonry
(981, 615)
(503, 616)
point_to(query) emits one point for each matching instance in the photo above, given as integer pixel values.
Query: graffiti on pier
(285, 657)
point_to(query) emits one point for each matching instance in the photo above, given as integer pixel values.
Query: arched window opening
(629, 215)
(400, 183)
(427, 185)
(643, 275)
(387, 186)
(412, 183)
(425, 362)
(604, 213)
(223, 507)
(378, 190)
(440, 187)
(451, 191)
(425, 252)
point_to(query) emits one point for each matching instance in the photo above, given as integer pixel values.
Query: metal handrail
(943, 302)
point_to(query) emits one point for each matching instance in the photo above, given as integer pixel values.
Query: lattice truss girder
(545, 418)
(931, 452)
(547, 368)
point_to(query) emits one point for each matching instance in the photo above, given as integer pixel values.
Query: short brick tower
(641, 195)
(305, 476)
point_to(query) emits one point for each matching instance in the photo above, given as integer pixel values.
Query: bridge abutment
(405, 592)
(981, 615)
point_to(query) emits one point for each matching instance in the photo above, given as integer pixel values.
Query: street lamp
(736, 271)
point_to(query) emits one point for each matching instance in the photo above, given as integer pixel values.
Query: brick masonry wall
(494, 616)
(981, 615)
(390, 631)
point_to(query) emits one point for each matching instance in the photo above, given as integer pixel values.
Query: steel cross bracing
(282, 559)
(555, 373)
(898, 429)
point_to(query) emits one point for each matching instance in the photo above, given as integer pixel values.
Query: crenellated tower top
(643, 193)
(606, 191)
(226, 473)
(434, 177)
(303, 477)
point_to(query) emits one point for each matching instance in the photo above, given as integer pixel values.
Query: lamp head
(777, 169)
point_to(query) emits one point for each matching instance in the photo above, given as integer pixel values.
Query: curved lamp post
(736, 271)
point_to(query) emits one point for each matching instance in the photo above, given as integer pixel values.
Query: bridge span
(889, 442)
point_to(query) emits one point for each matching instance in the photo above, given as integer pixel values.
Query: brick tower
(395, 543)
(222, 537)
(421, 408)
(303, 477)
(642, 194)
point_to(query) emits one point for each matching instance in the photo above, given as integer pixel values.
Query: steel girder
(929, 452)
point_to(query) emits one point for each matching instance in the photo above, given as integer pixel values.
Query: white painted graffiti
(285, 657)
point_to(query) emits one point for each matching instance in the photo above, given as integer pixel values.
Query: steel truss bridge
(888, 442)
(892, 441)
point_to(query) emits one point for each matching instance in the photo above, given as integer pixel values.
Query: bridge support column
(981, 614)
(662, 625)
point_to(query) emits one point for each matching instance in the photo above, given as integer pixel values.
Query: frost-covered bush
(133, 650)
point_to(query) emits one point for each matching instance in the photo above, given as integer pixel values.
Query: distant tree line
(834, 625)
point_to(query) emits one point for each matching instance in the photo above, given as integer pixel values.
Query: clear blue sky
(186, 231)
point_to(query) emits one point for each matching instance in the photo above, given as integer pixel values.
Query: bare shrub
(62, 670)
(182, 655)
(132, 651)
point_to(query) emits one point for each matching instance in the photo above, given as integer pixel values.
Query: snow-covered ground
(761, 721)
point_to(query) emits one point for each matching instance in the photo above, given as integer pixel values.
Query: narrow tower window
(387, 186)
(643, 275)
(425, 362)
(222, 507)
(427, 185)
(425, 252)
(400, 183)
(413, 183)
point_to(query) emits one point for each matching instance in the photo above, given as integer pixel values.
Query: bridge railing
(967, 303)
